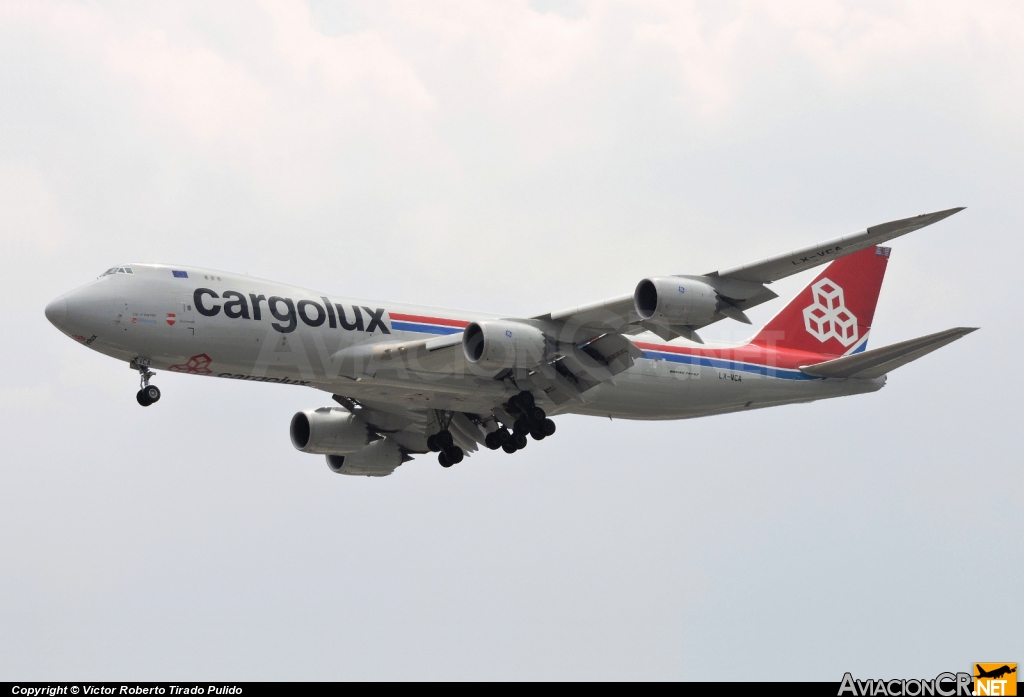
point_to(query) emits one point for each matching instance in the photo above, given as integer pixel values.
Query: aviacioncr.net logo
(827, 317)
(943, 685)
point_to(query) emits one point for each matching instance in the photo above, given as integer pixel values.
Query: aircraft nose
(57, 312)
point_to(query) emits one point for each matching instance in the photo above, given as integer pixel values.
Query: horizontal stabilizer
(877, 362)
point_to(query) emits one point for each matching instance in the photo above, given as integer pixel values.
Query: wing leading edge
(783, 265)
(740, 287)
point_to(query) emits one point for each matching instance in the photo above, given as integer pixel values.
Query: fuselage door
(183, 317)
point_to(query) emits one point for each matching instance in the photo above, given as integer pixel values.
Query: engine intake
(673, 300)
(495, 345)
(328, 431)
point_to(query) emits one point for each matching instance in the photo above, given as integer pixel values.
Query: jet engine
(378, 459)
(674, 300)
(328, 431)
(495, 345)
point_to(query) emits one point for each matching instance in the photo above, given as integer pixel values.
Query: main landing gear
(448, 453)
(147, 394)
(530, 419)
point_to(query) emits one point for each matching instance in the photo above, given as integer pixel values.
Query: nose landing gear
(147, 394)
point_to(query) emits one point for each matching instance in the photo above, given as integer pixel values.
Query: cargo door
(181, 318)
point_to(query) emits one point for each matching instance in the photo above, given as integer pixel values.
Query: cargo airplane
(407, 380)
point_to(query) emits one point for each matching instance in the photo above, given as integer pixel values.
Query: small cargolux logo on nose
(171, 318)
(827, 318)
(196, 365)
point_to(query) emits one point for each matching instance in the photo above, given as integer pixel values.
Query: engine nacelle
(494, 345)
(328, 431)
(378, 459)
(673, 300)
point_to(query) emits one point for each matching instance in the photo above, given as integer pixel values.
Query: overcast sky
(515, 157)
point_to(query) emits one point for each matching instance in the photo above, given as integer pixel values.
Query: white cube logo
(828, 317)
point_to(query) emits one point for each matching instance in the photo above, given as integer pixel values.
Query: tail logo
(827, 317)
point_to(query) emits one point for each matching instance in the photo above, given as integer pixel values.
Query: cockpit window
(117, 269)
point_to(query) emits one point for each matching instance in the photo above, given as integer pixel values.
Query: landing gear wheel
(432, 445)
(509, 447)
(491, 441)
(526, 400)
(502, 435)
(537, 414)
(549, 427)
(537, 432)
(521, 426)
(444, 439)
(443, 459)
(454, 454)
(147, 394)
(520, 440)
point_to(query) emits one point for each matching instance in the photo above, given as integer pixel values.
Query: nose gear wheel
(147, 394)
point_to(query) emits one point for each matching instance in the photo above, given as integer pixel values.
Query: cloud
(265, 89)
(29, 211)
(276, 98)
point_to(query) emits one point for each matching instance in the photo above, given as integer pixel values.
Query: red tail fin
(833, 314)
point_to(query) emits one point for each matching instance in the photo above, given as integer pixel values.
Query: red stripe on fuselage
(751, 353)
(429, 320)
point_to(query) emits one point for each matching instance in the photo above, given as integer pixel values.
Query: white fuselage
(241, 328)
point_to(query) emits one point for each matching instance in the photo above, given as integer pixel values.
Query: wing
(737, 289)
(590, 340)
(742, 287)
(783, 265)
